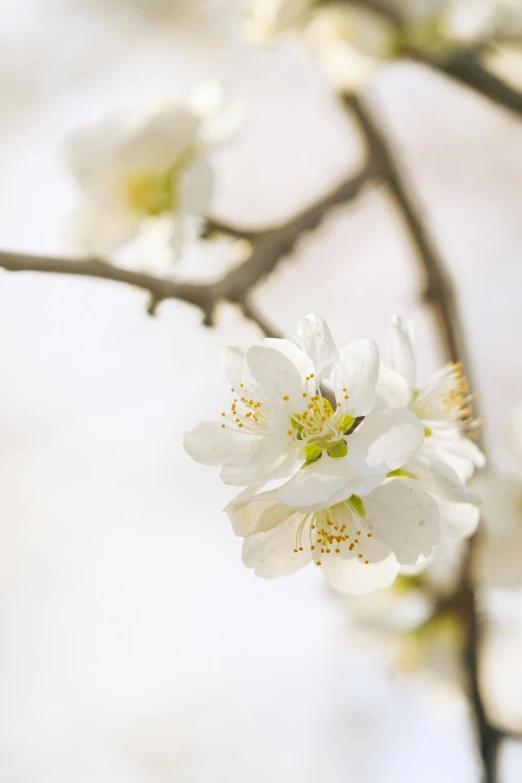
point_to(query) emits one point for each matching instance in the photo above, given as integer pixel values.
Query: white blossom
(359, 543)
(136, 167)
(447, 458)
(281, 426)
(264, 19)
(350, 42)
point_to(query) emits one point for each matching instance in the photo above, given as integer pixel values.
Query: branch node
(152, 306)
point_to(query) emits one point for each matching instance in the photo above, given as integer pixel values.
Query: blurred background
(135, 647)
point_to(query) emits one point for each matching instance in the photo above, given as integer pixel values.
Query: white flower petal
(232, 358)
(438, 477)
(324, 483)
(386, 440)
(162, 139)
(402, 356)
(249, 516)
(223, 127)
(279, 371)
(211, 444)
(457, 520)
(314, 338)
(92, 154)
(299, 358)
(515, 432)
(393, 390)
(208, 97)
(196, 188)
(220, 123)
(99, 229)
(405, 518)
(272, 458)
(357, 372)
(353, 577)
(458, 452)
(271, 554)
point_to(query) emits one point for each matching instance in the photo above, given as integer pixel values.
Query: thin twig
(269, 247)
(466, 68)
(441, 295)
(439, 290)
(252, 313)
(464, 65)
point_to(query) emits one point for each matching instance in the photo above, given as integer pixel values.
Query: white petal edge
(279, 371)
(355, 578)
(211, 444)
(313, 337)
(249, 516)
(357, 372)
(271, 554)
(457, 520)
(232, 358)
(402, 356)
(392, 389)
(386, 440)
(405, 518)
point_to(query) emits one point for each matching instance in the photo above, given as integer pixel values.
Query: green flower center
(320, 428)
(150, 193)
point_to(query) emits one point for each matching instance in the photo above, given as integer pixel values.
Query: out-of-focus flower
(447, 458)
(134, 168)
(360, 544)
(281, 425)
(350, 42)
(264, 19)
(474, 20)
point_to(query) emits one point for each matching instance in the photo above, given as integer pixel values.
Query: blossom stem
(440, 294)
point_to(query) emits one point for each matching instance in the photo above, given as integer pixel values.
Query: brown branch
(269, 247)
(441, 295)
(463, 65)
(252, 313)
(466, 68)
(439, 290)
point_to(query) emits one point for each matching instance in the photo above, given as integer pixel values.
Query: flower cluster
(347, 462)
